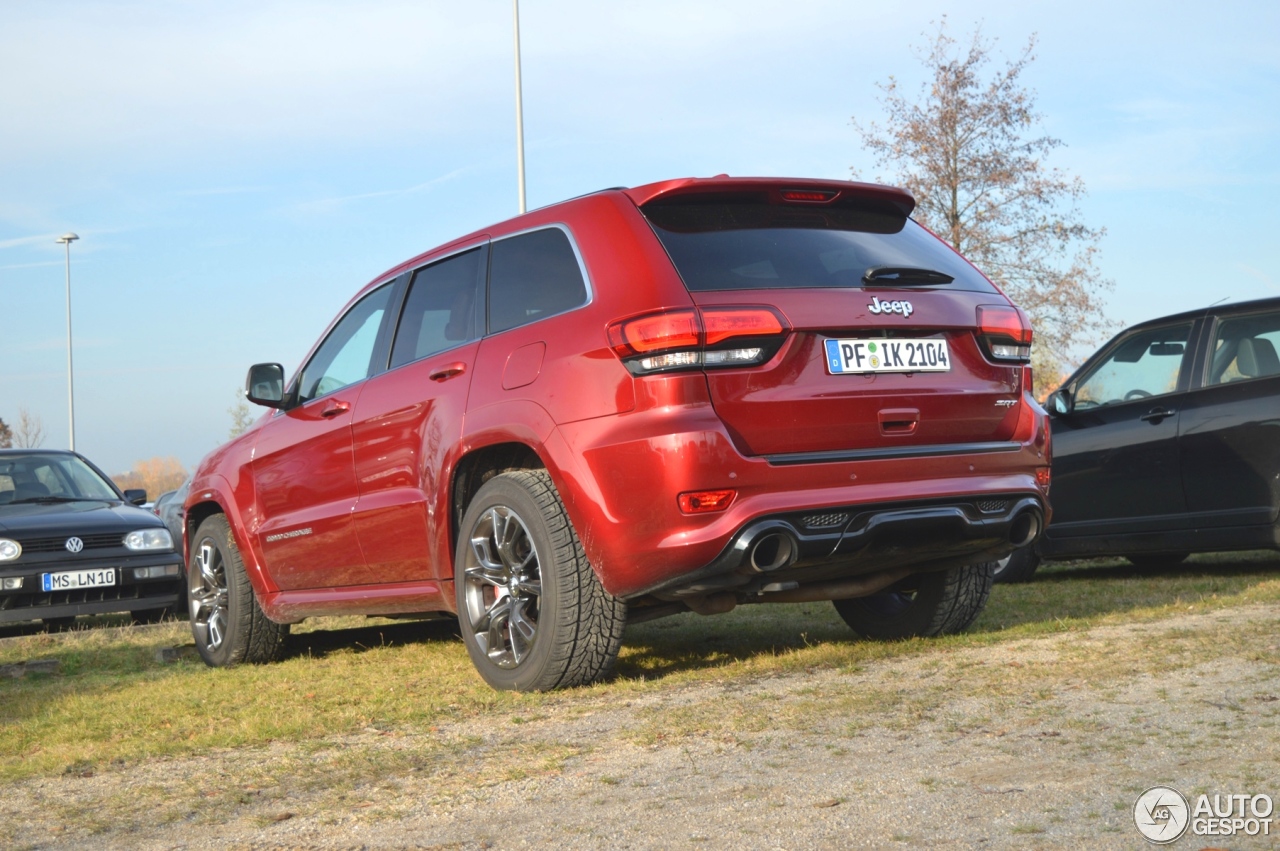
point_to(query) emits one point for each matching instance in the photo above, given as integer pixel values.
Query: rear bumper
(620, 477)
(30, 602)
(845, 541)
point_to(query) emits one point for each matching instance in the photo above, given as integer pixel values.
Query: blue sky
(236, 170)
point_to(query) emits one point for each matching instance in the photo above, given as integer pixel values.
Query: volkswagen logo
(74, 545)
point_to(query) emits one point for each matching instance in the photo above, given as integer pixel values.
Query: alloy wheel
(209, 597)
(503, 587)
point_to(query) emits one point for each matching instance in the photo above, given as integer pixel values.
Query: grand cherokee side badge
(903, 307)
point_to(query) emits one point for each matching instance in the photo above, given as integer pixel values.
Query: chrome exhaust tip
(772, 551)
(1024, 528)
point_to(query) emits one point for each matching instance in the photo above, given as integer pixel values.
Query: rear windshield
(749, 244)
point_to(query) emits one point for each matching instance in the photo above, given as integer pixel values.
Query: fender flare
(214, 492)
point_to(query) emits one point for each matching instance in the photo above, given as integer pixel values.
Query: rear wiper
(904, 276)
(48, 500)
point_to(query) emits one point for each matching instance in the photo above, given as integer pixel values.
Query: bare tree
(154, 475)
(6, 436)
(966, 149)
(241, 416)
(29, 433)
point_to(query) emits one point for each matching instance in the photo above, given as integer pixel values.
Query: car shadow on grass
(84, 622)
(320, 642)
(688, 642)
(1262, 562)
(1061, 592)
(1097, 587)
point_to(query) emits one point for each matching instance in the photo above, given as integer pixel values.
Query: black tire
(1019, 566)
(925, 604)
(532, 612)
(228, 625)
(1150, 561)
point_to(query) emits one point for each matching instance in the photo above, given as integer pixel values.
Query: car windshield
(50, 476)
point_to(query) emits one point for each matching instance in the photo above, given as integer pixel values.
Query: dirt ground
(1037, 743)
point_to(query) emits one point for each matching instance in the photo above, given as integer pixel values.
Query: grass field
(113, 702)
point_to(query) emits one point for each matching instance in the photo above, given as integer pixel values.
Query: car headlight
(9, 550)
(149, 539)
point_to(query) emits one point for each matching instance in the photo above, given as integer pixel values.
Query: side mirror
(1060, 402)
(135, 496)
(265, 385)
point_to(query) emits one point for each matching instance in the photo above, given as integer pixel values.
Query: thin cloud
(32, 265)
(1259, 275)
(330, 205)
(222, 190)
(27, 240)
(88, 241)
(56, 343)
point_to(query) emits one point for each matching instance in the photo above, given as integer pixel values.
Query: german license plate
(72, 580)
(884, 355)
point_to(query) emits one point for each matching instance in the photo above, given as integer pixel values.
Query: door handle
(334, 408)
(1157, 415)
(449, 371)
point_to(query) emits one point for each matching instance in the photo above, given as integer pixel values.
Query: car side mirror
(1060, 402)
(135, 496)
(265, 385)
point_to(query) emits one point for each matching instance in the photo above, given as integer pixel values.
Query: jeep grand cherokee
(685, 396)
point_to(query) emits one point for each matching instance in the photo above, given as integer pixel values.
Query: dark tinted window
(745, 244)
(440, 310)
(532, 276)
(346, 355)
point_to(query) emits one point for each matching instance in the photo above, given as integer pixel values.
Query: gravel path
(1038, 743)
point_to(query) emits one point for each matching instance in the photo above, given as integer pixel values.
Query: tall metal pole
(66, 239)
(519, 111)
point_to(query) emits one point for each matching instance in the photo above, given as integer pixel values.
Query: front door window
(346, 355)
(1146, 364)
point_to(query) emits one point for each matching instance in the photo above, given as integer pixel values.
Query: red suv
(680, 397)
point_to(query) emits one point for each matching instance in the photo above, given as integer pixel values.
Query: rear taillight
(1004, 332)
(658, 341)
(691, 339)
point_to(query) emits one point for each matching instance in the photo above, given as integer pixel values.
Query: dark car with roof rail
(1166, 442)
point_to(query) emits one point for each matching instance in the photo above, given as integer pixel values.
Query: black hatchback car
(1166, 442)
(72, 544)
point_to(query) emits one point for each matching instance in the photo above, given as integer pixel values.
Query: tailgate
(795, 403)
(891, 338)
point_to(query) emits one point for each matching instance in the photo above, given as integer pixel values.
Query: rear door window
(1245, 348)
(746, 243)
(440, 310)
(532, 276)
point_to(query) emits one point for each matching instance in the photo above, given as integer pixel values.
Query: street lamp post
(515, 8)
(66, 239)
